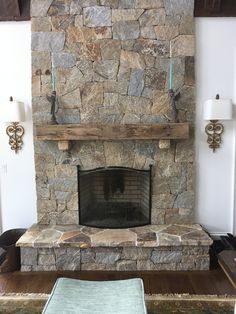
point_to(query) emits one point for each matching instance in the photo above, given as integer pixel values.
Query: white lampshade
(13, 111)
(217, 109)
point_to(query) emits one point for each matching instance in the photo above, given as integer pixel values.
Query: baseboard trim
(216, 235)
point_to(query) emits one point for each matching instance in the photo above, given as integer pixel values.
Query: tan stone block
(41, 62)
(41, 24)
(145, 265)
(65, 171)
(158, 216)
(86, 34)
(46, 85)
(71, 100)
(120, 87)
(149, 4)
(153, 17)
(148, 32)
(102, 33)
(160, 186)
(79, 20)
(161, 103)
(92, 95)
(45, 206)
(61, 206)
(112, 149)
(36, 85)
(164, 144)
(132, 59)
(73, 203)
(168, 169)
(183, 45)
(135, 105)
(190, 176)
(68, 217)
(62, 22)
(166, 32)
(186, 26)
(91, 155)
(173, 217)
(89, 115)
(126, 15)
(162, 201)
(185, 151)
(149, 61)
(90, 51)
(110, 49)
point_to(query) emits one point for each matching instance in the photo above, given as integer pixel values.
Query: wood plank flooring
(213, 282)
(227, 261)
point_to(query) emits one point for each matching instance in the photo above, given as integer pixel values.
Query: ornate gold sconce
(14, 113)
(215, 110)
(15, 131)
(214, 129)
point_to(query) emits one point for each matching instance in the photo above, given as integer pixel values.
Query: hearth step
(152, 247)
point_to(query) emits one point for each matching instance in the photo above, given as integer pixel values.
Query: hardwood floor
(213, 282)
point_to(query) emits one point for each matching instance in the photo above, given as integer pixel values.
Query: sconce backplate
(214, 129)
(15, 132)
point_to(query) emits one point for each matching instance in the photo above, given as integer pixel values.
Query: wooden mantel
(63, 133)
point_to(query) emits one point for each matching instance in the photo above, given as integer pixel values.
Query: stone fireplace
(111, 62)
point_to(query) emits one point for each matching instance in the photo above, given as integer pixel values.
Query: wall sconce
(215, 110)
(14, 113)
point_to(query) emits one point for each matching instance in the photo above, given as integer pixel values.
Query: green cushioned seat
(71, 296)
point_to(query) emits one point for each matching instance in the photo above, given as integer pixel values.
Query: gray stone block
(46, 259)
(29, 256)
(126, 266)
(136, 84)
(126, 30)
(127, 4)
(165, 257)
(39, 8)
(47, 41)
(105, 70)
(184, 200)
(107, 258)
(97, 16)
(68, 262)
(64, 59)
(179, 7)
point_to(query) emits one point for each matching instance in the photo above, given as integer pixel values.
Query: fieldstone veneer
(111, 60)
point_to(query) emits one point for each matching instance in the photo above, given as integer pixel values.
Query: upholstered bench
(70, 296)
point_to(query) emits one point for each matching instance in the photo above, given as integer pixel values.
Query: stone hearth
(153, 247)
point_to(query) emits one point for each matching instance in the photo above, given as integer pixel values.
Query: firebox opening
(114, 197)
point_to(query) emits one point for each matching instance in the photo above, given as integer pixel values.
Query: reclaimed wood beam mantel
(84, 132)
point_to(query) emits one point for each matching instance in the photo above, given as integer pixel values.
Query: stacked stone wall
(119, 259)
(111, 60)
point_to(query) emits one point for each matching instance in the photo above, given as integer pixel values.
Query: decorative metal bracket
(214, 129)
(174, 113)
(15, 131)
(54, 106)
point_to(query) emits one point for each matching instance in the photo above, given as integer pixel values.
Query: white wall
(18, 196)
(215, 73)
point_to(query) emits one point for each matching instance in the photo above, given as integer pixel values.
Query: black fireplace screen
(114, 197)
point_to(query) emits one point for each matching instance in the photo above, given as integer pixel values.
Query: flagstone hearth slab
(49, 236)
